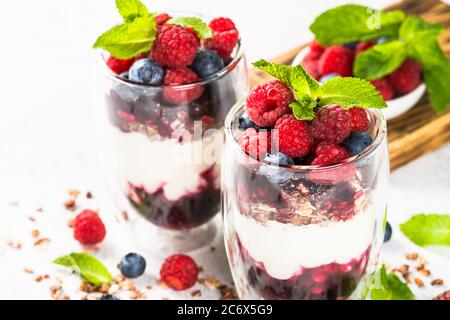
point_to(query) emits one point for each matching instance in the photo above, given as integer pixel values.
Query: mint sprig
(386, 286)
(347, 92)
(89, 267)
(355, 23)
(131, 9)
(198, 25)
(427, 230)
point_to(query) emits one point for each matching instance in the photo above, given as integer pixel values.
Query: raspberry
(119, 66)
(225, 37)
(407, 77)
(384, 87)
(174, 47)
(336, 59)
(363, 46)
(181, 76)
(162, 18)
(255, 143)
(88, 228)
(329, 154)
(443, 296)
(312, 67)
(222, 24)
(268, 102)
(180, 272)
(332, 124)
(294, 136)
(315, 51)
(359, 120)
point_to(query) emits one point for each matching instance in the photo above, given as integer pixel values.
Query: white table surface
(47, 145)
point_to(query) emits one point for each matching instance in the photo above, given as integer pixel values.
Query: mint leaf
(426, 230)
(380, 60)
(89, 267)
(349, 93)
(384, 286)
(415, 29)
(303, 111)
(200, 27)
(131, 9)
(129, 39)
(437, 80)
(355, 23)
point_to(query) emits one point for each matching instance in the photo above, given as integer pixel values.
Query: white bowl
(396, 106)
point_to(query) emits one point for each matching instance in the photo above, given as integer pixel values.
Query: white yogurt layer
(285, 248)
(166, 164)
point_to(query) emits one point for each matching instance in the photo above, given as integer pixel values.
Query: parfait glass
(304, 232)
(162, 158)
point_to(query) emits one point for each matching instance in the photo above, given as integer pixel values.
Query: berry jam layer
(331, 281)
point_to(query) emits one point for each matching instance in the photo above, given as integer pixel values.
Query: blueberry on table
(357, 142)
(108, 297)
(206, 63)
(146, 71)
(132, 265)
(387, 232)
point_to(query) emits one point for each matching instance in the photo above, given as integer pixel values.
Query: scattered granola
(89, 195)
(425, 272)
(136, 294)
(35, 233)
(28, 270)
(161, 284)
(41, 242)
(70, 204)
(228, 293)
(196, 293)
(419, 282)
(41, 277)
(437, 282)
(412, 256)
(74, 192)
(211, 283)
(32, 219)
(14, 244)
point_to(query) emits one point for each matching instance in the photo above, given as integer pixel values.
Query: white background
(47, 131)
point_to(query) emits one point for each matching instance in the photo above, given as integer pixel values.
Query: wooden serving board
(420, 130)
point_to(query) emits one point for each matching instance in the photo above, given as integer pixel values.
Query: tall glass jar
(304, 232)
(162, 155)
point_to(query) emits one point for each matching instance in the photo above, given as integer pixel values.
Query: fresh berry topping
(327, 77)
(279, 158)
(407, 77)
(222, 24)
(387, 232)
(294, 136)
(245, 123)
(329, 154)
(357, 142)
(312, 67)
(443, 296)
(119, 66)
(363, 46)
(132, 265)
(206, 63)
(147, 71)
(255, 143)
(181, 76)
(267, 102)
(360, 122)
(223, 42)
(180, 272)
(336, 59)
(108, 297)
(88, 228)
(174, 47)
(315, 51)
(332, 124)
(162, 18)
(384, 87)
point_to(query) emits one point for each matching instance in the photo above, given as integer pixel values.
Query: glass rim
(225, 70)
(380, 136)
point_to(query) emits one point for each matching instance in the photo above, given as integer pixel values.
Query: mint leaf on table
(355, 23)
(426, 230)
(129, 39)
(89, 267)
(379, 60)
(387, 286)
(131, 9)
(350, 92)
(200, 27)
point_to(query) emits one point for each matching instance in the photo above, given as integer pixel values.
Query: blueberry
(351, 45)
(327, 77)
(108, 297)
(206, 63)
(383, 39)
(147, 71)
(279, 158)
(245, 123)
(124, 75)
(132, 265)
(357, 142)
(387, 232)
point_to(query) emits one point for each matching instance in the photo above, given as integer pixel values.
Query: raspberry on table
(181, 76)
(332, 124)
(179, 272)
(119, 65)
(337, 59)
(328, 154)
(294, 136)
(359, 119)
(407, 77)
(88, 228)
(225, 37)
(256, 143)
(267, 102)
(162, 18)
(174, 47)
(363, 46)
(384, 87)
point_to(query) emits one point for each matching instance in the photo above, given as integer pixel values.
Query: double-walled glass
(304, 232)
(163, 154)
